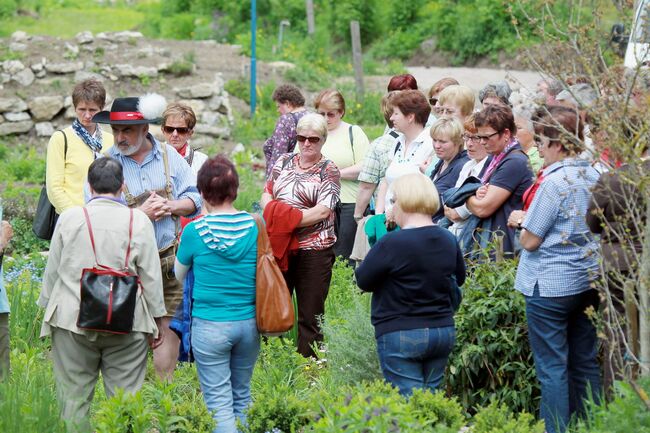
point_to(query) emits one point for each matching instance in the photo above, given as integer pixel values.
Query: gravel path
(475, 78)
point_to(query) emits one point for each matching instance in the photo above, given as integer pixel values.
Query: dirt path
(475, 78)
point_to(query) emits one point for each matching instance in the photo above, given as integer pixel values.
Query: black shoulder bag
(46, 216)
(108, 295)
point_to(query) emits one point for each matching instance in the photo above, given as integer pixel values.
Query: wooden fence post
(357, 59)
(311, 26)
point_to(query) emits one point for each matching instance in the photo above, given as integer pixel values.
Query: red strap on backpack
(92, 239)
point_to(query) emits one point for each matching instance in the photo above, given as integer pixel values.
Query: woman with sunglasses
(505, 179)
(346, 146)
(557, 272)
(310, 183)
(178, 127)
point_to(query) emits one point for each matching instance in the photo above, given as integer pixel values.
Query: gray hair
(526, 116)
(581, 95)
(313, 122)
(500, 89)
(553, 85)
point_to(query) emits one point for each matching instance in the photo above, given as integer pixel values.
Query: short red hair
(218, 181)
(402, 82)
(412, 102)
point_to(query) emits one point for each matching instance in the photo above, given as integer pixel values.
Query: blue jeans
(415, 358)
(225, 355)
(564, 345)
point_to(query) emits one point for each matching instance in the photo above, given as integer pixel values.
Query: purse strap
(92, 238)
(263, 244)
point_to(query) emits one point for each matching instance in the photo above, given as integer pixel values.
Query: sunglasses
(330, 114)
(170, 130)
(312, 140)
(433, 101)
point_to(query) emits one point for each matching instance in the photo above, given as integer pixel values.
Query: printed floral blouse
(283, 139)
(320, 184)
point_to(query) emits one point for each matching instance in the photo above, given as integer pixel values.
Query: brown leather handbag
(273, 305)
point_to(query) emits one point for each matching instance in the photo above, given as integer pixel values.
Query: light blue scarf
(95, 143)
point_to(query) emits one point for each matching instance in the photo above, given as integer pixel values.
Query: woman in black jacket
(413, 275)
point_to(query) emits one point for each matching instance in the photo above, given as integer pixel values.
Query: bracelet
(358, 218)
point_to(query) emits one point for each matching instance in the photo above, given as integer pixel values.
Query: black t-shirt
(411, 274)
(515, 175)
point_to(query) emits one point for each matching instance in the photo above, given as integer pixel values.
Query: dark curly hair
(288, 93)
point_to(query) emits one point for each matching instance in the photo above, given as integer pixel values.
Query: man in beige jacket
(80, 355)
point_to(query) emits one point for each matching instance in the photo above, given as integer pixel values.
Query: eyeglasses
(330, 114)
(468, 137)
(444, 111)
(486, 137)
(312, 140)
(433, 101)
(170, 130)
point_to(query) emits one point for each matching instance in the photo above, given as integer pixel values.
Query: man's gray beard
(129, 150)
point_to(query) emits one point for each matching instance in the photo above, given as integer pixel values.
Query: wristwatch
(358, 218)
(519, 221)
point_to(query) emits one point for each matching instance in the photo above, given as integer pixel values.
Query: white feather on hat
(152, 105)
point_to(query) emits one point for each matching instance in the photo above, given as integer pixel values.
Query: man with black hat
(159, 182)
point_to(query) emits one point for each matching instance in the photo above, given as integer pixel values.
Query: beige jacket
(71, 251)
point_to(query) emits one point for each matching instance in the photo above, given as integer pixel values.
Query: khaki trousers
(78, 359)
(4, 345)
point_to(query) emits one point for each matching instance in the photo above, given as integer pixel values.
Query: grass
(67, 22)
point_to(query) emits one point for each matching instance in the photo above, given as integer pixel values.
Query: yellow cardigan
(65, 179)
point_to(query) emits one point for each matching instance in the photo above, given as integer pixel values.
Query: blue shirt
(150, 176)
(4, 302)
(222, 251)
(566, 262)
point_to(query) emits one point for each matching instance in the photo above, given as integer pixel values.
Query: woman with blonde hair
(178, 125)
(346, 146)
(455, 101)
(413, 274)
(447, 136)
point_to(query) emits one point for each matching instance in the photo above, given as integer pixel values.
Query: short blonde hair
(416, 193)
(460, 96)
(313, 122)
(181, 110)
(330, 99)
(448, 127)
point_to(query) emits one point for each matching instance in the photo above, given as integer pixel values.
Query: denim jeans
(415, 358)
(564, 344)
(225, 354)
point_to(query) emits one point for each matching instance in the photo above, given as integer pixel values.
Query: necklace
(309, 166)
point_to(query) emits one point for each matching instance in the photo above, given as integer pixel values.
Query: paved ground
(475, 78)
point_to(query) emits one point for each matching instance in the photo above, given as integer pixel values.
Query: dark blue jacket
(447, 179)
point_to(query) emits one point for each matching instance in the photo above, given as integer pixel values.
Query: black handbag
(46, 216)
(108, 295)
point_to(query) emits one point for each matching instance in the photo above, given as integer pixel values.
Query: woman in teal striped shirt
(221, 248)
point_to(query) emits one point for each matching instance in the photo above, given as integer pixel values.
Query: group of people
(455, 177)
(451, 178)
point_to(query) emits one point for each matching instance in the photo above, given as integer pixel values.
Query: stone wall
(36, 83)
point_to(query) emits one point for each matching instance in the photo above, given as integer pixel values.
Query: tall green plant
(491, 358)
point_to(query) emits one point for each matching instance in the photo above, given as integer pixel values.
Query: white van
(637, 52)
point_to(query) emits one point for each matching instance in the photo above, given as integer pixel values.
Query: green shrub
(179, 26)
(7, 8)
(377, 407)
(497, 418)
(351, 348)
(492, 358)
(626, 413)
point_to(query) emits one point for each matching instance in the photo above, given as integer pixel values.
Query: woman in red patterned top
(310, 183)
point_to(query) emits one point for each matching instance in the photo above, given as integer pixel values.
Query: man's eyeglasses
(433, 101)
(312, 140)
(170, 130)
(330, 114)
(486, 137)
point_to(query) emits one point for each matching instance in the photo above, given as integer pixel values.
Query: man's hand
(155, 207)
(6, 233)
(155, 342)
(516, 218)
(452, 215)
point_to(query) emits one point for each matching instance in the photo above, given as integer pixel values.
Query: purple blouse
(283, 139)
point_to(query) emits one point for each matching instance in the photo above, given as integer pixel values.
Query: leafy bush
(377, 407)
(497, 418)
(351, 348)
(626, 413)
(492, 358)
(7, 8)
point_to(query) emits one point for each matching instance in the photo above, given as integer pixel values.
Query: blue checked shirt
(150, 176)
(566, 263)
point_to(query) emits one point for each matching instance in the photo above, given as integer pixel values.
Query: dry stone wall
(37, 79)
